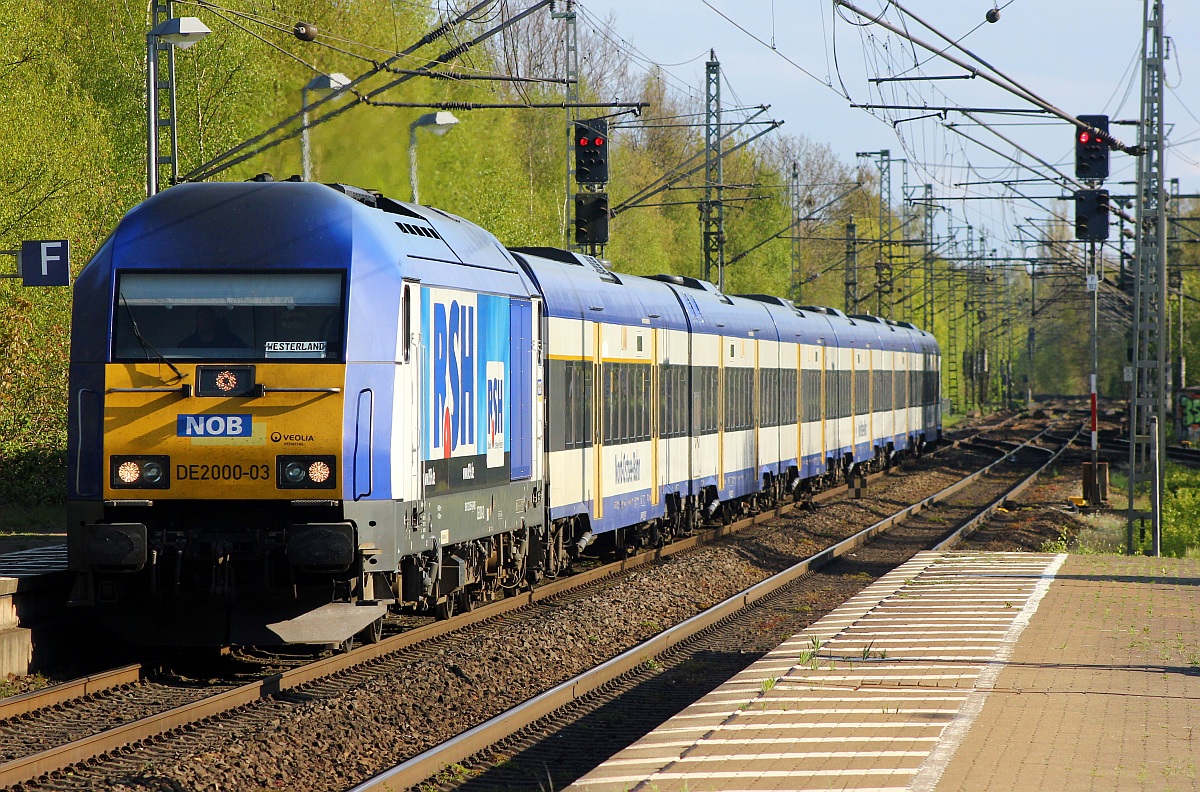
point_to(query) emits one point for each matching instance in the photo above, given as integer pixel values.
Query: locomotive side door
(408, 422)
(539, 393)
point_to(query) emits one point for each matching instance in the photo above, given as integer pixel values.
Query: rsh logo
(453, 376)
(209, 425)
(495, 413)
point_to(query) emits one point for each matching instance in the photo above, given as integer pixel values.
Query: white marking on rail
(932, 768)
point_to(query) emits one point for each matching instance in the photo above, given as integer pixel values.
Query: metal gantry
(712, 211)
(952, 359)
(1148, 408)
(796, 290)
(1175, 284)
(904, 303)
(571, 90)
(883, 264)
(929, 211)
(970, 304)
(883, 267)
(163, 135)
(850, 278)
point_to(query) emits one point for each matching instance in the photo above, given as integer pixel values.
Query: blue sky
(1077, 55)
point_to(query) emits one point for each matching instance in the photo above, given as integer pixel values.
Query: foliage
(1181, 511)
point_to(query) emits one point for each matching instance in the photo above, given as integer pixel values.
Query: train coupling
(320, 547)
(113, 547)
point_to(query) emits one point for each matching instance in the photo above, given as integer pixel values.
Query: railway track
(1175, 453)
(72, 746)
(584, 720)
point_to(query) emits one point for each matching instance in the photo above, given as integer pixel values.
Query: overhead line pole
(1147, 401)
(795, 289)
(571, 43)
(161, 11)
(850, 278)
(929, 212)
(712, 211)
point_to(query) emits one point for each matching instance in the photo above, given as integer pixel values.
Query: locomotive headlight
(306, 472)
(128, 472)
(152, 472)
(318, 472)
(140, 472)
(294, 473)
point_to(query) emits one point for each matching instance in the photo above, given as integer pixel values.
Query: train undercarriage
(204, 573)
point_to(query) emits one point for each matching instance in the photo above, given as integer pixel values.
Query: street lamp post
(181, 32)
(322, 82)
(439, 124)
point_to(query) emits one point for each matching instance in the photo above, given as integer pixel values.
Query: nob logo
(208, 425)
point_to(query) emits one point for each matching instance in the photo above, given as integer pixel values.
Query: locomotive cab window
(229, 316)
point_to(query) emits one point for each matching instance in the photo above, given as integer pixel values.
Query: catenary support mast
(1148, 396)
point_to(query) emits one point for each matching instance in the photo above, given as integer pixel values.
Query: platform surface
(958, 671)
(22, 570)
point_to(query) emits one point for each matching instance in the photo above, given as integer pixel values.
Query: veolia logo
(208, 425)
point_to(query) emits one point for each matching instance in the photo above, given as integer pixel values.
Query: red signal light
(599, 141)
(1084, 137)
(583, 141)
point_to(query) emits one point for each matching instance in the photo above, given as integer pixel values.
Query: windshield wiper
(146, 344)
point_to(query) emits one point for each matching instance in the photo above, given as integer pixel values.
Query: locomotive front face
(260, 354)
(206, 457)
(221, 456)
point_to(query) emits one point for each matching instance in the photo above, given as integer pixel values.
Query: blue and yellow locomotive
(293, 406)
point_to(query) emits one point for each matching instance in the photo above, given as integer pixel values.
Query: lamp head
(182, 32)
(328, 82)
(439, 123)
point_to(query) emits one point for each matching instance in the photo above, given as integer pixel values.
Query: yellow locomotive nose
(280, 441)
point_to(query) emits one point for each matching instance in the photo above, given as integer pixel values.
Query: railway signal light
(1091, 150)
(591, 218)
(591, 151)
(1091, 215)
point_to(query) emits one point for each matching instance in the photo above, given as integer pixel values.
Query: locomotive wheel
(445, 607)
(372, 633)
(346, 646)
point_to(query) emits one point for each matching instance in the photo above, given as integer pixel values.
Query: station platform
(34, 585)
(957, 671)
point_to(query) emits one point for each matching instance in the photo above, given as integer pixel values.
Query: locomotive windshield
(236, 316)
